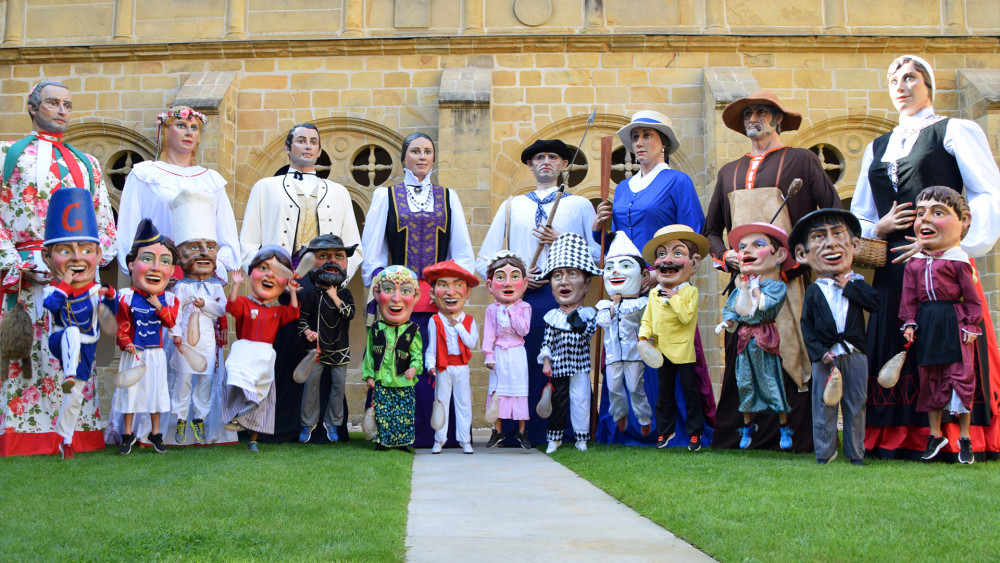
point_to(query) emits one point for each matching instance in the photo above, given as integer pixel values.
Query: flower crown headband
(162, 118)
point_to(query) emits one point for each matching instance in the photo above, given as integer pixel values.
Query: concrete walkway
(506, 504)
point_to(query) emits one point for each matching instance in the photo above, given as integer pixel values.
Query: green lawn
(768, 506)
(288, 502)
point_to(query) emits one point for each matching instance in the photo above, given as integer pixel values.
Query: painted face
(622, 276)
(674, 263)
(831, 250)
(80, 258)
(546, 166)
(759, 121)
(197, 258)
(507, 284)
(330, 269)
(647, 146)
(569, 285)
(151, 268)
(450, 295)
(54, 110)
(759, 257)
(183, 136)
(305, 149)
(396, 300)
(419, 157)
(908, 90)
(937, 227)
(265, 284)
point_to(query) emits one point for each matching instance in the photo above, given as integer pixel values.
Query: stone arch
(342, 138)
(107, 141)
(512, 173)
(850, 135)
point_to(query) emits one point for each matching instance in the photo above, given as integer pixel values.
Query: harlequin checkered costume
(567, 344)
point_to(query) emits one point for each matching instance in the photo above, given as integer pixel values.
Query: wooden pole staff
(606, 143)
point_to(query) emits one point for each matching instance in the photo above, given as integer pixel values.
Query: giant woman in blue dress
(657, 196)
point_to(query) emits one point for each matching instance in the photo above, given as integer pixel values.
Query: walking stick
(562, 190)
(595, 394)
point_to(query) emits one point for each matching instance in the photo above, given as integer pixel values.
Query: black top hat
(542, 145)
(801, 229)
(328, 242)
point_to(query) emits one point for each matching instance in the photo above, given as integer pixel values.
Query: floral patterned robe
(29, 408)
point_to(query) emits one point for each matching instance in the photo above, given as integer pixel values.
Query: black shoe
(525, 442)
(857, 462)
(404, 449)
(934, 446)
(495, 438)
(965, 451)
(662, 441)
(695, 444)
(157, 441)
(127, 441)
(380, 448)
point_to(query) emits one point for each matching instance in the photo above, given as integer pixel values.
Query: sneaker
(964, 451)
(645, 430)
(331, 431)
(157, 441)
(826, 461)
(67, 450)
(436, 448)
(127, 441)
(552, 447)
(523, 438)
(747, 435)
(581, 445)
(180, 435)
(786, 437)
(934, 446)
(622, 424)
(252, 446)
(306, 434)
(495, 438)
(467, 447)
(198, 427)
(858, 462)
(68, 383)
(695, 444)
(662, 441)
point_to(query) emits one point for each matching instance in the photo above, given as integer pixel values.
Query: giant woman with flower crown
(152, 190)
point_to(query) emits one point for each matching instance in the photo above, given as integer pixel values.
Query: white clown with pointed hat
(620, 317)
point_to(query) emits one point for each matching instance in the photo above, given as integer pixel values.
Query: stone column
(472, 10)
(722, 145)
(214, 94)
(236, 19)
(594, 16)
(124, 30)
(715, 16)
(13, 29)
(954, 17)
(463, 163)
(834, 17)
(354, 18)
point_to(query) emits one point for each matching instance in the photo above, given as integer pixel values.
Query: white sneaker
(467, 447)
(581, 445)
(437, 448)
(553, 446)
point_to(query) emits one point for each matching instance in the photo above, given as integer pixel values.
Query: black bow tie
(662, 293)
(417, 187)
(298, 175)
(576, 322)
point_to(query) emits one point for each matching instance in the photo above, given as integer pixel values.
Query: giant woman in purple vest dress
(657, 196)
(926, 149)
(417, 223)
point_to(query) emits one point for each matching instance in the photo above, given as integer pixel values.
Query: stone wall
(484, 90)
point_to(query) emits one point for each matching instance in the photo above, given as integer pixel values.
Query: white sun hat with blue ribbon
(652, 120)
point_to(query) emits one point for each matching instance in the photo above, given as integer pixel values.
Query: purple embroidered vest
(418, 239)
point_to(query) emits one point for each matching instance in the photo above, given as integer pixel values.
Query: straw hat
(732, 116)
(651, 120)
(674, 232)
